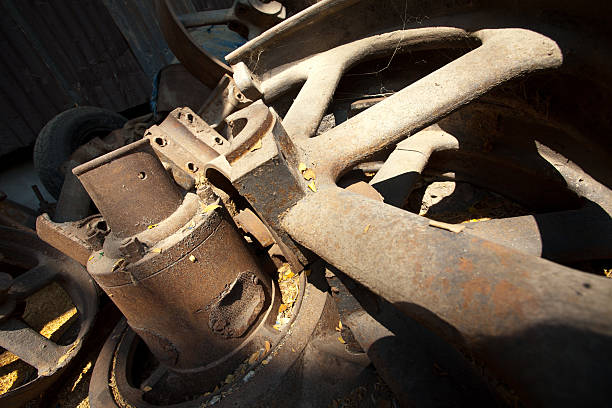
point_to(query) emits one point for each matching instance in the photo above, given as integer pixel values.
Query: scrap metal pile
(223, 232)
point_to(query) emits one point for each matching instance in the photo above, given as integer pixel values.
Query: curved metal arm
(510, 310)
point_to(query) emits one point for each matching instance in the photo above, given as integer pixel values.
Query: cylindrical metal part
(130, 187)
(194, 301)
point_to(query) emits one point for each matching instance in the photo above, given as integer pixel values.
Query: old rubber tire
(63, 134)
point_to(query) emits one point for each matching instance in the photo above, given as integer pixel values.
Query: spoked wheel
(505, 106)
(29, 266)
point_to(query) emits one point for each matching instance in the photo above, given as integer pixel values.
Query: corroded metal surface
(41, 265)
(508, 310)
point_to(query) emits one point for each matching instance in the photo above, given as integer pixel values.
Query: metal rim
(50, 266)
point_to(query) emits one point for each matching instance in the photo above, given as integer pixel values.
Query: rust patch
(508, 298)
(466, 265)
(474, 287)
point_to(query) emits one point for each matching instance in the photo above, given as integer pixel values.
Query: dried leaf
(229, 379)
(267, 345)
(341, 340)
(282, 308)
(307, 272)
(477, 220)
(118, 264)
(312, 186)
(156, 250)
(608, 273)
(265, 362)
(309, 174)
(146, 388)
(211, 207)
(256, 146)
(366, 229)
(254, 357)
(192, 258)
(301, 167)
(90, 258)
(152, 226)
(340, 324)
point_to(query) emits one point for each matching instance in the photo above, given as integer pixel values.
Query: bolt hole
(178, 116)
(101, 226)
(142, 175)
(190, 117)
(192, 167)
(161, 141)
(218, 140)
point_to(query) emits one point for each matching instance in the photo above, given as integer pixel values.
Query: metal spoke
(516, 52)
(509, 309)
(30, 346)
(33, 280)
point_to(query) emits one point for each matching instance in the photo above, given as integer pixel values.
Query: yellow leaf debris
(312, 186)
(282, 308)
(254, 357)
(256, 146)
(156, 250)
(608, 273)
(152, 226)
(267, 345)
(192, 258)
(90, 258)
(302, 167)
(229, 379)
(341, 340)
(211, 207)
(367, 228)
(309, 174)
(118, 264)
(477, 220)
(265, 362)
(146, 388)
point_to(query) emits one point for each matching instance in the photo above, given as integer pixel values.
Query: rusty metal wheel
(30, 265)
(497, 95)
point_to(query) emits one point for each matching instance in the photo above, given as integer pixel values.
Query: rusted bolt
(218, 140)
(132, 249)
(160, 141)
